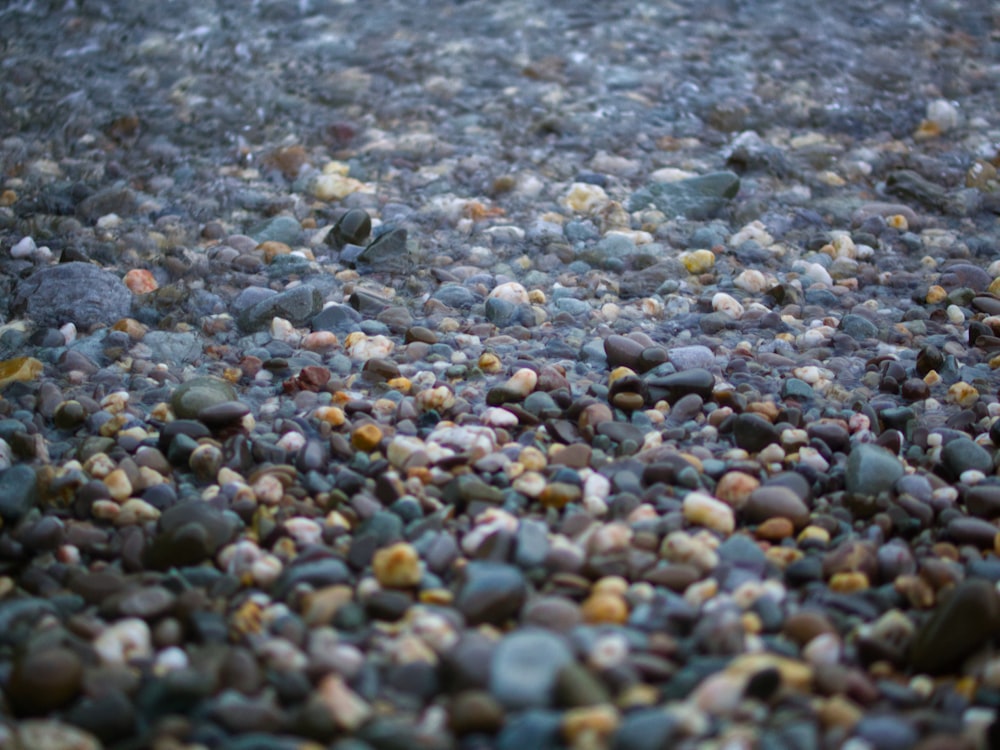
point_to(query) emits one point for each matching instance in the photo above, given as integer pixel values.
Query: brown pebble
(559, 494)
(474, 712)
(43, 681)
(775, 501)
(604, 608)
(775, 529)
(804, 625)
(576, 456)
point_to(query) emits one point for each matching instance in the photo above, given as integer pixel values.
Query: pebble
(871, 470)
(524, 668)
(490, 593)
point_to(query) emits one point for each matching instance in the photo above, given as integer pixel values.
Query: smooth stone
(962, 454)
(18, 493)
(328, 571)
(622, 351)
(352, 228)
(975, 531)
(80, 293)
(960, 625)
(672, 387)
(223, 414)
(871, 469)
(46, 680)
(753, 433)
(191, 396)
(775, 501)
(525, 666)
(490, 593)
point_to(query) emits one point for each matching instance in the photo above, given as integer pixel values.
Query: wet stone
(46, 680)
(775, 501)
(858, 327)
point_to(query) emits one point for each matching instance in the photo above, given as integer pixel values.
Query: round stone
(871, 469)
(490, 592)
(44, 681)
(525, 666)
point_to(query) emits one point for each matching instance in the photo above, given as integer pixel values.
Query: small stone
(704, 510)
(18, 493)
(753, 433)
(585, 198)
(774, 501)
(605, 607)
(698, 261)
(397, 566)
(124, 641)
(352, 228)
(525, 666)
(366, 437)
(140, 281)
(490, 592)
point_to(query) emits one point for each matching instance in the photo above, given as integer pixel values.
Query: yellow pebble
(814, 534)
(604, 607)
(490, 363)
(536, 297)
(963, 394)
(397, 566)
(848, 582)
(698, 261)
(403, 385)
(332, 415)
(897, 221)
(366, 437)
(532, 459)
(994, 287)
(590, 726)
(8, 198)
(936, 294)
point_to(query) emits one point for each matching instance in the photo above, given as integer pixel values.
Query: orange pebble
(140, 281)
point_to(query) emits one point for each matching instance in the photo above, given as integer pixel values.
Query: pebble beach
(499, 375)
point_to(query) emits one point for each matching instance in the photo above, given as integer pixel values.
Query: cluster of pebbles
(500, 375)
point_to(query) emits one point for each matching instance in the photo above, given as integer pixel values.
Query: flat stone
(963, 454)
(672, 387)
(695, 198)
(196, 394)
(297, 305)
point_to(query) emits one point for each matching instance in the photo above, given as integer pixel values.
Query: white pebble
(728, 304)
(494, 416)
(69, 332)
(584, 198)
(25, 248)
(362, 347)
(955, 315)
(291, 441)
(170, 660)
(823, 649)
(304, 531)
(751, 280)
(512, 292)
(755, 231)
(704, 510)
(124, 641)
(971, 476)
(487, 523)
(943, 113)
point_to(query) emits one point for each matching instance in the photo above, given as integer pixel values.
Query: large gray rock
(80, 293)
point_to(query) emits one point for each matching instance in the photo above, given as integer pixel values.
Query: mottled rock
(79, 293)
